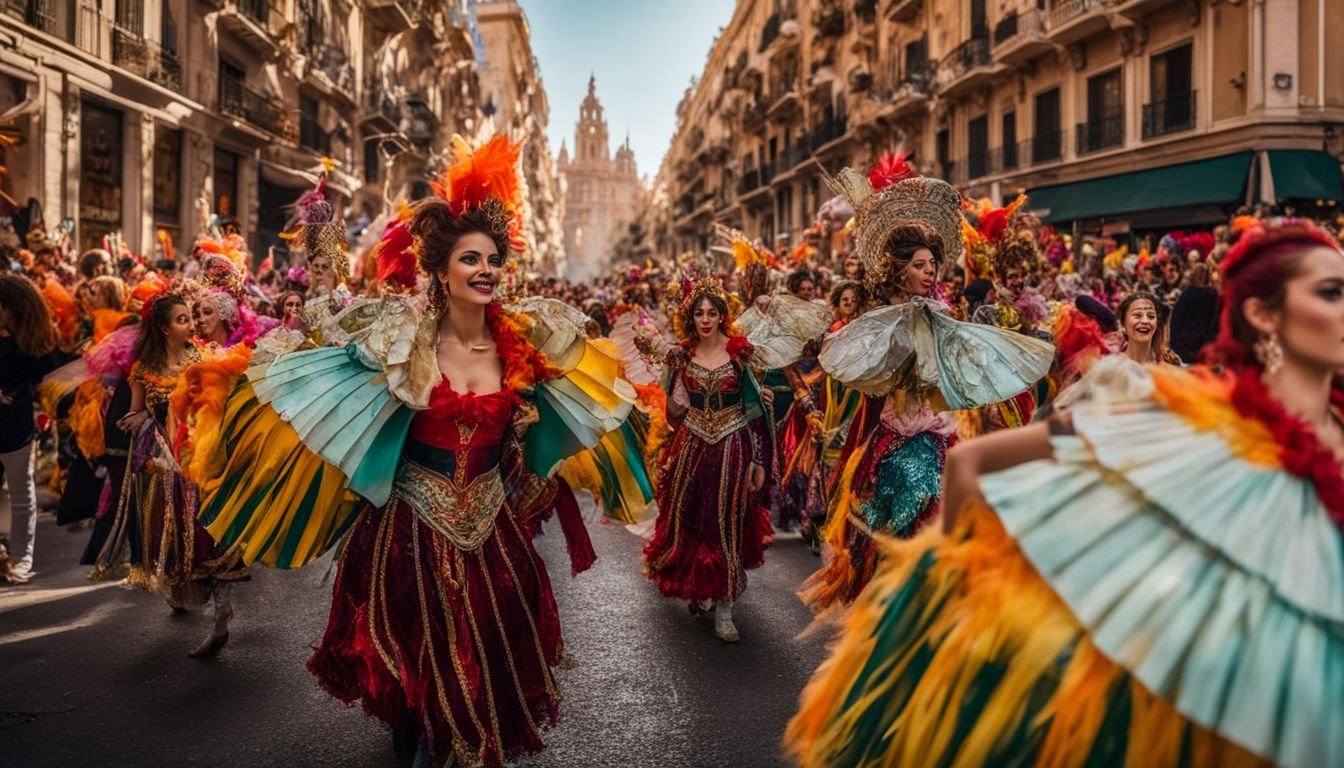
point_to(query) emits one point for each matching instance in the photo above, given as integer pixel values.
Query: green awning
(1306, 174)
(1216, 181)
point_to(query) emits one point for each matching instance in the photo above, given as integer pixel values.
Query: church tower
(602, 193)
(590, 135)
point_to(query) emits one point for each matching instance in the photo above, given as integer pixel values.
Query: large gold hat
(919, 200)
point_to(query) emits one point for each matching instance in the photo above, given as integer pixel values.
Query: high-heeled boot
(723, 621)
(219, 635)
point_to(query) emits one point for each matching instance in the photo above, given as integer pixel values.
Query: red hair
(1259, 266)
(1267, 256)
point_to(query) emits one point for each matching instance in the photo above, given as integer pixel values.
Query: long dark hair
(151, 346)
(28, 317)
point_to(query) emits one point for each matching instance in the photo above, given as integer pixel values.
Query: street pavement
(97, 675)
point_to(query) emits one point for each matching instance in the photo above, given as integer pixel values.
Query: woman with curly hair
(27, 339)
(1154, 577)
(712, 521)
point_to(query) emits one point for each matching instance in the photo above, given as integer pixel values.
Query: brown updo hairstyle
(900, 250)
(437, 229)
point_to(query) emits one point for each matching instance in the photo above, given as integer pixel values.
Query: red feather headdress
(890, 168)
(484, 177)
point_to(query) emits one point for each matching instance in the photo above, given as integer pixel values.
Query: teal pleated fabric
(342, 410)
(1218, 583)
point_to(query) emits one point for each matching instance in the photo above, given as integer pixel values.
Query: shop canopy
(1305, 174)
(1215, 181)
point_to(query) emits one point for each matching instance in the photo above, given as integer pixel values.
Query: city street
(98, 675)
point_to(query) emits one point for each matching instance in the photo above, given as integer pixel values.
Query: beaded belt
(712, 425)
(464, 514)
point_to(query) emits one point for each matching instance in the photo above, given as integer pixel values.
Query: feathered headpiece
(315, 225)
(485, 178)
(1267, 232)
(753, 263)
(993, 244)
(150, 290)
(231, 247)
(889, 169)
(905, 198)
(220, 273)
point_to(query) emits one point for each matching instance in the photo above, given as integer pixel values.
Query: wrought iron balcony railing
(146, 58)
(1096, 135)
(1171, 115)
(263, 111)
(1046, 147)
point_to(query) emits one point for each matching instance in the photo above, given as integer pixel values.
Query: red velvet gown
(442, 611)
(710, 526)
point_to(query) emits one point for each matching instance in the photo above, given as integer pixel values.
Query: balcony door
(1105, 113)
(977, 140)
(1171, 104)
(1045, 145)
(979, 20)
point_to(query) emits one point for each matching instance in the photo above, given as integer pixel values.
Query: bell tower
(590, 134)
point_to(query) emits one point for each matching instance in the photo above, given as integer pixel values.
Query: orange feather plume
(488, 172)
(63, 308)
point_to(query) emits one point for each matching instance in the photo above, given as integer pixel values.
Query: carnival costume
(914, 362)
(442, 620)
(711, 527)
(1166, 590)
(157, 507)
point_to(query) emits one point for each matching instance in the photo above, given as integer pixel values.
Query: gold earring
(1270, 353)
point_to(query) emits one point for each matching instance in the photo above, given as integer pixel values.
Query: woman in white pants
(27, 338)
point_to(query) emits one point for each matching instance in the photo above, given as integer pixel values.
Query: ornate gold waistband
(713, 425)
(464, 514)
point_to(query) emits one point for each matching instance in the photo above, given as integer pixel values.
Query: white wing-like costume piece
(625, 336)
(782, 331)
(971, 365)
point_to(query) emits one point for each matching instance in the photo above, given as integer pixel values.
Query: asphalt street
(97, 675)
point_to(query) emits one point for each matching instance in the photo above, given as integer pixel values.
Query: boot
(220, 634)
(723, 621)
(700, 607)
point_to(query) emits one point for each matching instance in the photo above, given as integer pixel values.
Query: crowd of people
(984, 427)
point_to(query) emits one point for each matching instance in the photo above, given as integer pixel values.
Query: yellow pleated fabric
(959, 654)
(274, 500)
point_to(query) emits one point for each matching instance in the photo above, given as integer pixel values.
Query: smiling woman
(423, 439)
(1201, 644)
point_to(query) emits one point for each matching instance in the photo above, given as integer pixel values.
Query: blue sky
(643, 52)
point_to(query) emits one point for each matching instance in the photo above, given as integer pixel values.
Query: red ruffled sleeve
(739, 347)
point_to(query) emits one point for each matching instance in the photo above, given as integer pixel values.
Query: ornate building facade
(1113, 114)
(602, 193)
(514, 96)
(126, 113)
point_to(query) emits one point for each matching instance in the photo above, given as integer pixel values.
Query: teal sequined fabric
(907, 485)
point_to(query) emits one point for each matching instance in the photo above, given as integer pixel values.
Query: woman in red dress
(443, 624)
(712, 521)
